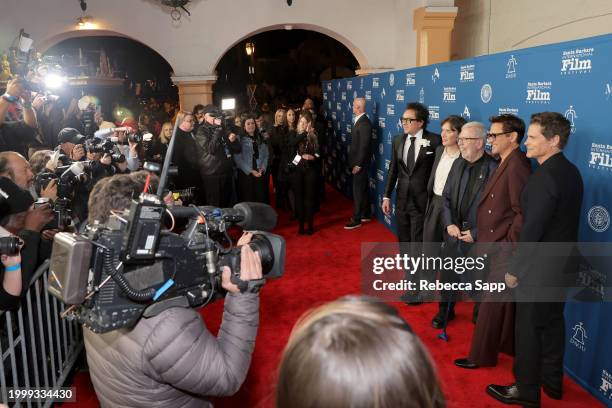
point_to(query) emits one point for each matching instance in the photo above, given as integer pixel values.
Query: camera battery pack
(143, 231)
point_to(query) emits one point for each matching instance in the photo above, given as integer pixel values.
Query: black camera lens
(135, 138)
(10, 245)
(261, 244)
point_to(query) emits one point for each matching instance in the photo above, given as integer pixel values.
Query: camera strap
(250, 286)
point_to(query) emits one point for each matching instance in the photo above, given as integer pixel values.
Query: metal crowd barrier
(38, 348)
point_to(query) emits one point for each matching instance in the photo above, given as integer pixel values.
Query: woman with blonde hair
(278, 138)
(356, 352)
(304, 150)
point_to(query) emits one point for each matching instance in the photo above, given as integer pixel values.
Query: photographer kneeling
(171, 359)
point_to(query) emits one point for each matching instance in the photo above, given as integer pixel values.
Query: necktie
(411, 153)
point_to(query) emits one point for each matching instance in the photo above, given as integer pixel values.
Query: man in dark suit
(359, 162)
(460, 199)
(550, 203)
(499, 219)
(412, 158)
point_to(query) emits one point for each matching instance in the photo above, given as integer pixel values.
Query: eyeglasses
(199, 113)
(463, 139)
(494, 135)
(408, 120)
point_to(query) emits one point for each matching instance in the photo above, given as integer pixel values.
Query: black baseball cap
(70, 135)
(212, 110)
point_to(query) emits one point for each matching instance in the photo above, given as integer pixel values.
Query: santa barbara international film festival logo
(411, 79)
(422, 96)
(436, 75)
(579, 336)
(570, 115)
(598, 218)
(601, 156)
(466, 73)
(466, 113)
(511, 67)
(608, 91)
(449, 94)
(606, 384)
(486, 93)
(391, 79)
(576, 61)
(539, 92)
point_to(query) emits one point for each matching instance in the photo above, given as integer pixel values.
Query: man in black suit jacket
(460, 199)
(359, 162)
(550, 204)
(412, 158)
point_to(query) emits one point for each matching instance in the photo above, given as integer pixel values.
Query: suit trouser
(410, 221)
(540, 344)
(361, 198)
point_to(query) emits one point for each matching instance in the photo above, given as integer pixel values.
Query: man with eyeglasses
(412, 158)
(499, 219)
(461, 196)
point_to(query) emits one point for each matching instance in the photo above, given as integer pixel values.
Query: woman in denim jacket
(252, 163)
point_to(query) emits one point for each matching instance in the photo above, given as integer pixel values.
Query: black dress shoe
(438, 321)
(465, 363)
(554, 393)
(510, 395)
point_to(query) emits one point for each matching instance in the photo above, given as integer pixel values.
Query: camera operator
(25, 222)
(18, 124)
(172, 359)
(216, 143)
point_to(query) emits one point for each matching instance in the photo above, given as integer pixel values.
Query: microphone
(247, 215)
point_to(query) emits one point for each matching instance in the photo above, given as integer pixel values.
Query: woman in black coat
(305, 148)
(278, 137)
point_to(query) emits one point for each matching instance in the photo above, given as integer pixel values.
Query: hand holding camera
(77, 153)
(38, 217)
(250, 266)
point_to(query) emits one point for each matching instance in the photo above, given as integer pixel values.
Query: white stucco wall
(379, 33)
(490, 26)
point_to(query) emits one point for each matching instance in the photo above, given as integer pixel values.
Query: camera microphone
(247, 215)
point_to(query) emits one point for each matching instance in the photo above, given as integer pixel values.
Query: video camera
(129, 267)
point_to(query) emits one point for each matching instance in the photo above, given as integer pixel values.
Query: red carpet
(324, 267)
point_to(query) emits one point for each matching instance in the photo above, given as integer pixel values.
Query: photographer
(216, 144)
(21, 220)
(71, 143)
(172, 359)
(18, 124)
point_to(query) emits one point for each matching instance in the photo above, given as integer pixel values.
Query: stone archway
(357, 53)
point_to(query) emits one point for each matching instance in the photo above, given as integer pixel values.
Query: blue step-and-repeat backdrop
(574, 78)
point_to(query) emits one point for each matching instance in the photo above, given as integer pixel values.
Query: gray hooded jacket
(172, 360)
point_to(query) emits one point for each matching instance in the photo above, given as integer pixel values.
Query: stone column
(194, 89)
(434, 26)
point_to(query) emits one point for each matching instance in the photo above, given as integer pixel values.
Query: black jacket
(550, 204)
(185, 158)
(411, 184)
(451, 199)
(214, 150)
(361, 135)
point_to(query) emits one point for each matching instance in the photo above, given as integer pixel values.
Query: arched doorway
(288, 66)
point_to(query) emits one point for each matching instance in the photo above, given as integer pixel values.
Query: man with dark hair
(412, 158)
(359, 162)
(198, 114)
(499, 219)
(550, 204)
